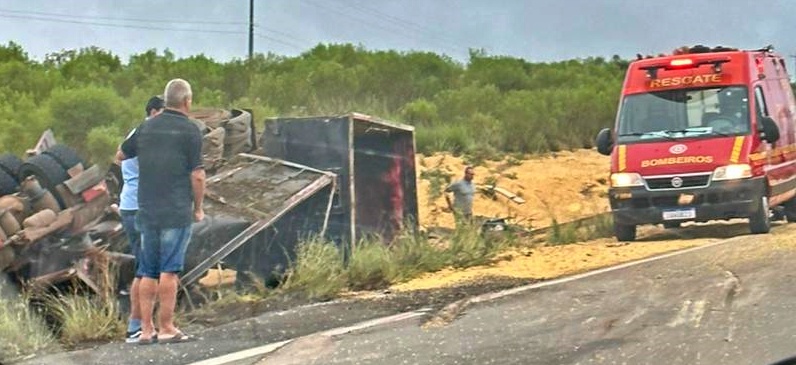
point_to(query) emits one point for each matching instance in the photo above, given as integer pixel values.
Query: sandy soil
(565, 185)
(550, 262)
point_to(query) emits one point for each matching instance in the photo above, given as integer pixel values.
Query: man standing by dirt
(463, 191)
(170, 195)
(128, 207)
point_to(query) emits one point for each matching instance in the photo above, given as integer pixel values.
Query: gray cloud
(539, 30)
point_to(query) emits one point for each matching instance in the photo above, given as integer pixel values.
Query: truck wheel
(625, 232)
(65, 156)
(760, 220)
(10, 164)
(790, 210)
(8, 184)
(671, 225)
(48, 172)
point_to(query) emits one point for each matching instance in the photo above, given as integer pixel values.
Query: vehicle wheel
(10, 164)
(625, 232)
(65, 156)
(760, 220)
(47, 171)
(8, 184)
(671, 225)
(790, 210)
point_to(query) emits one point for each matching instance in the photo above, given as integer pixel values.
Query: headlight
(732, 172)
(626, 179)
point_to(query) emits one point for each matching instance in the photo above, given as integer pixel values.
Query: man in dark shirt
(170, 194)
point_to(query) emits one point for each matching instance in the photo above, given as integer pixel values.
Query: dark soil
(387, 302)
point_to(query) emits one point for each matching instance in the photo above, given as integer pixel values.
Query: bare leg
(167, 292)
(147, 291)
(135, 302)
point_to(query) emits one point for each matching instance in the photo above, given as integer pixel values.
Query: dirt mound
(565, 186)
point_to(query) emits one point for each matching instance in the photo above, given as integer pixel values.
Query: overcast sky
(537, 30)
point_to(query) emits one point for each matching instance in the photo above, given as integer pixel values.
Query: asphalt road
(729, 304)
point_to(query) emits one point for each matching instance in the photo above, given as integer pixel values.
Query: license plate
(679, 214)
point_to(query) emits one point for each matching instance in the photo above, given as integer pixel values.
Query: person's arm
(447, 192)
(129, 147)
(197, 172)
(117, 159)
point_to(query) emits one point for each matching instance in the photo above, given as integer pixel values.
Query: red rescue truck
(703, 134)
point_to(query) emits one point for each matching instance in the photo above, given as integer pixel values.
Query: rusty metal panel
(375, 162)
(250, 194)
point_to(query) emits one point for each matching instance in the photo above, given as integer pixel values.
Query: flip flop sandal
(177, 338)
(150, 341)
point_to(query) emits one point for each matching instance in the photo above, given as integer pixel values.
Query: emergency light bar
(683, 63)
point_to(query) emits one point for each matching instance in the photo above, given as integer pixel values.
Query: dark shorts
(133, 235)
(162, 250)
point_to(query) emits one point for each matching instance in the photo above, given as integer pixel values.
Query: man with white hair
(170, 194)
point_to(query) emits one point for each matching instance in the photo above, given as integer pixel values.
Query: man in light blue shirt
(128, 208)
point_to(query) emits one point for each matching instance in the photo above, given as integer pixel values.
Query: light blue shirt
(128, 199)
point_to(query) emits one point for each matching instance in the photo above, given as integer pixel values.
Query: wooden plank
(216, 178)
(508, 194)
(75, 170)
(286, 163)
(252, 230)
(85, 180)
(70, 200)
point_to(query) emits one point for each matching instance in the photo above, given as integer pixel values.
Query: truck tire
(760, 220)
(790, 210)
(47, 171)
(10, 164)
(65, 156)
(624, 232)
(8, 184)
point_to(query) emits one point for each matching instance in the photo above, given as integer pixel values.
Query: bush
(76, 111)
(101, 144)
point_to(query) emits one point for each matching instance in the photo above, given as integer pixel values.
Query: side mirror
(769, 129)
(604, 142)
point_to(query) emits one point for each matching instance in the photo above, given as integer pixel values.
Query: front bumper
(719, 200)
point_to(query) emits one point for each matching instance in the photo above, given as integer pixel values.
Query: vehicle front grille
(694, 181)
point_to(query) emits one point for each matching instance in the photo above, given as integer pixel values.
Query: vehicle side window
(762, 109)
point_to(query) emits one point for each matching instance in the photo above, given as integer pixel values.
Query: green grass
(318, 270)
(414, 254)
(372, 265)
(438, 180)
(22, 331)
(86, 318)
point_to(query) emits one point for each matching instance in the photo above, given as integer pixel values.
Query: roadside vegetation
(483, 107)
(320, 272)
(22, 330)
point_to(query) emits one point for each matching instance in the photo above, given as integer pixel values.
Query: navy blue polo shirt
(169, 149)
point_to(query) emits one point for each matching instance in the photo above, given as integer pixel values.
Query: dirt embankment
(565, 186)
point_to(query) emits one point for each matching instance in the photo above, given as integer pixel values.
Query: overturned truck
(341, 177)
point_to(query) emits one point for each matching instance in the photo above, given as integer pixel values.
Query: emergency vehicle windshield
(684, 113)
